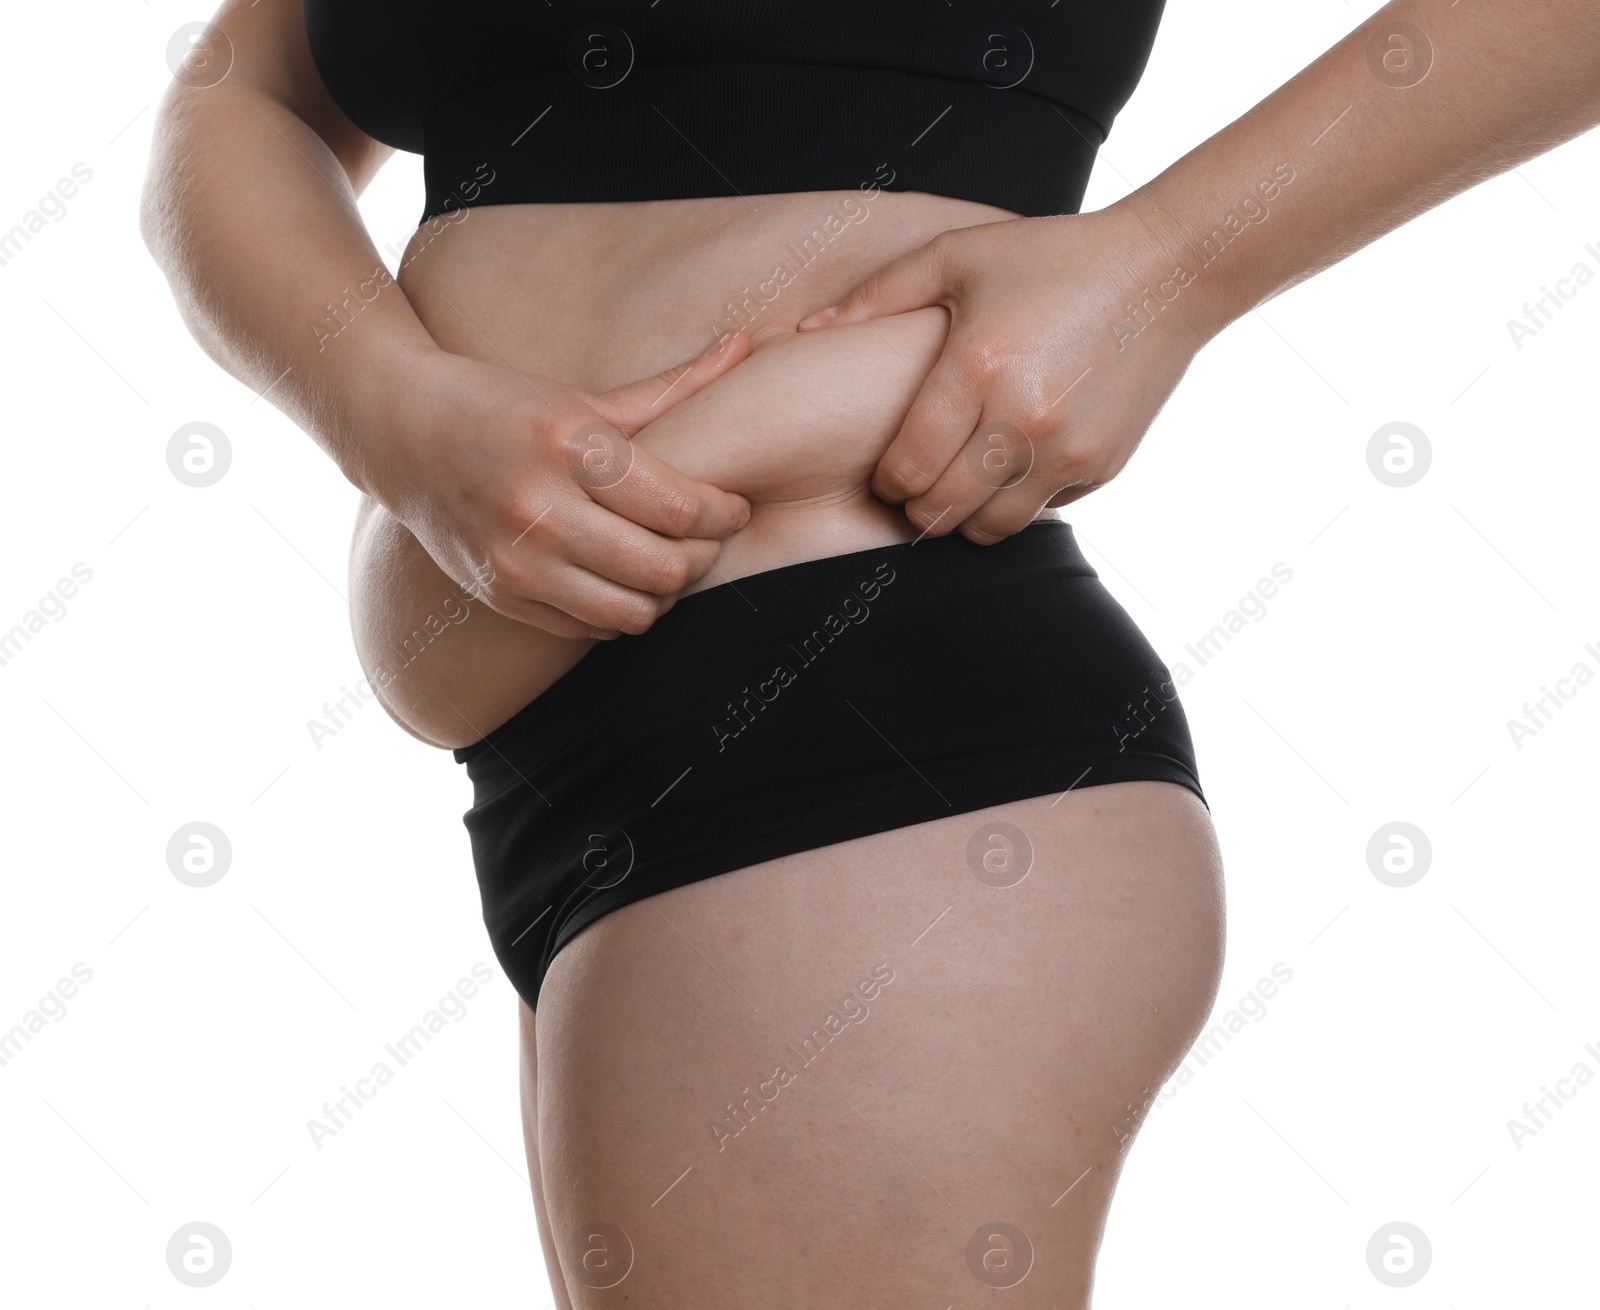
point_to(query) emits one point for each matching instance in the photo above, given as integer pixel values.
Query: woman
(893, 751)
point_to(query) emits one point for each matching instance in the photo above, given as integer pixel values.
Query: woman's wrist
(1196, 268)
(377, 426)
(1153, 282)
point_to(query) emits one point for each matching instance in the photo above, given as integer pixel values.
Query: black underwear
(805, 706)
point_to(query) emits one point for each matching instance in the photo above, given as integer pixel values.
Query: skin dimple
(767, 331)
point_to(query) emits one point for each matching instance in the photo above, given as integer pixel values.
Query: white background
(177, 687)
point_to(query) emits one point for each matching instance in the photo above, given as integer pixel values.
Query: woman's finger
(634, 558)
(916, 280)
(603, 570)
(555, 621)
(594, 606)
(1069, 494)
(1010, 509)
(628, 480)
(634, 404)
(933, 434)
(995, 458)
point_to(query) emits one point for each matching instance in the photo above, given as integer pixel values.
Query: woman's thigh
(902, 1070)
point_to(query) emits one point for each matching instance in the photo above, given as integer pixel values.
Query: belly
(600, 295)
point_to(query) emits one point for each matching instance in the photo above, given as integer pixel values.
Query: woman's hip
(806, 706)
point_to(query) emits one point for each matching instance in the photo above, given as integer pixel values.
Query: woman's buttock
(603, 298)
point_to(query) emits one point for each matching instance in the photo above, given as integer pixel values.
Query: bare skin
(1004, 1078)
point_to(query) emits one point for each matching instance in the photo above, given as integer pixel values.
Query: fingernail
(821, 317)
(719, 345)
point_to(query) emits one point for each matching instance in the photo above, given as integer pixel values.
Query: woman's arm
(1069, 333)
(1424, 100)
(249, 207)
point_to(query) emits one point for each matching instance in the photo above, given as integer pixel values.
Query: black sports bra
(1000, 101)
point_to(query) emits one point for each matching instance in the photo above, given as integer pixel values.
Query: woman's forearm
(1424, 100)
(252, 216)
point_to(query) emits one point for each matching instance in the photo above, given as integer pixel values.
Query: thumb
(635, 404)
(917, 279)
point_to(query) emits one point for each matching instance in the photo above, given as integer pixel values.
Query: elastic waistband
(790, 601)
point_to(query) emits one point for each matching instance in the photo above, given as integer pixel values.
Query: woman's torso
(601, 294)
(596, 295)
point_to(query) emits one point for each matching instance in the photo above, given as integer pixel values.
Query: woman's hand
(531, 497)
(1067, 336)
(797, 428)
